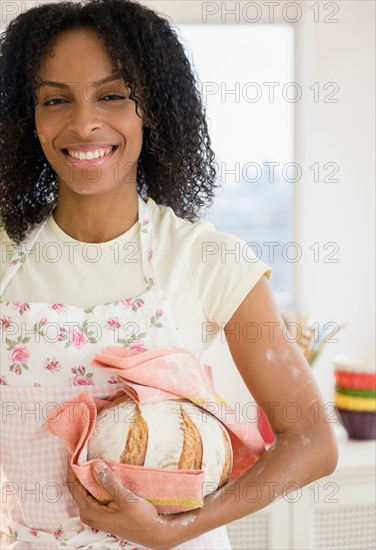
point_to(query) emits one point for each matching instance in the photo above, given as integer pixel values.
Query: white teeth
(90, 155)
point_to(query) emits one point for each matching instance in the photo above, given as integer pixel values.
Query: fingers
(110, 484)
(71, 481)
(71, 476)
(76, 489)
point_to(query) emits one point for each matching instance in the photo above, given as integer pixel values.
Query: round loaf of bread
(171, 434)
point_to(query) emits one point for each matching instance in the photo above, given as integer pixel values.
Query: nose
(84, 117)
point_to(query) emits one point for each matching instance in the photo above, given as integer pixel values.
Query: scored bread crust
(227, 467)
(172, 434)
(137, 441)
(166, 434)
(217, 448)
(191, 454)
(111, 430)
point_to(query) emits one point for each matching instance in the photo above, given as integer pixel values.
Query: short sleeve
(223, 269)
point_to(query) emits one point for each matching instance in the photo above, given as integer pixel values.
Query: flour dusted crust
(191, 455)
(217, 450)
(166, 434)
(171, 434)
(227, 467)
(111, 430)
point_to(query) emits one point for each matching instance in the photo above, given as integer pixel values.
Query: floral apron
(46, 351)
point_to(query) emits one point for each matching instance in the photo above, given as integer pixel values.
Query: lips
(89, 154)
(98, 150)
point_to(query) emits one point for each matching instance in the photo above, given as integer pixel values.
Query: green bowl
(356, 393)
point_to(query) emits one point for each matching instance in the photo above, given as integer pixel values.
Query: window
(244, 74)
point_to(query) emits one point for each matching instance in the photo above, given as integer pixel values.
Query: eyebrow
(111, 78)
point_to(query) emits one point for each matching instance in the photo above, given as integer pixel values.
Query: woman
(105, 163)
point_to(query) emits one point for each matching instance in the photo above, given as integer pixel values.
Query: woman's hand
(128, 516)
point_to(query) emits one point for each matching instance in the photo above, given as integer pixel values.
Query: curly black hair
(176, 166)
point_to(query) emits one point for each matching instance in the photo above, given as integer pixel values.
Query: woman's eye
(58, 100)
(49, 102)
(114, 97)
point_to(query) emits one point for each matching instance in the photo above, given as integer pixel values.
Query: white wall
(342, 212)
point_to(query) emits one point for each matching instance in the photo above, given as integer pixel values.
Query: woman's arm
(276, 373)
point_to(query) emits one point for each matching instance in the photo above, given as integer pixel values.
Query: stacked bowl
(355, 394)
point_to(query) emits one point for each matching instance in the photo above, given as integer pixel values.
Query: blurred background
(289, 89)
(289, 95)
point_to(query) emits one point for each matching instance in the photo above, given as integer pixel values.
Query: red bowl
(355, 380)
(358, 424)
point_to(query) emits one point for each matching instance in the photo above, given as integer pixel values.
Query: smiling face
(88, 128)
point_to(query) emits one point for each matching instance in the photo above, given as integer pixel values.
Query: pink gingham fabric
(177, 373)
(38, 373)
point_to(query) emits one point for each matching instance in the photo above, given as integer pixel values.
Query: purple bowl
(358, 424)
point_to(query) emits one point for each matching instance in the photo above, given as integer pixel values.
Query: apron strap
(147, 245)
(19, 256)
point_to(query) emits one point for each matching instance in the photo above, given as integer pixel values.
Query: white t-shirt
(204, 273)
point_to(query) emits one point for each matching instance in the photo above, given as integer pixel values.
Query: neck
(96, 219)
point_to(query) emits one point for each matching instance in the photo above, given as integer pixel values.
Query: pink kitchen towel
(149, 377)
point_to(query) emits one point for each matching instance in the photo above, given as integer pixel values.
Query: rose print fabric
(60, 342)
(46, 353)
